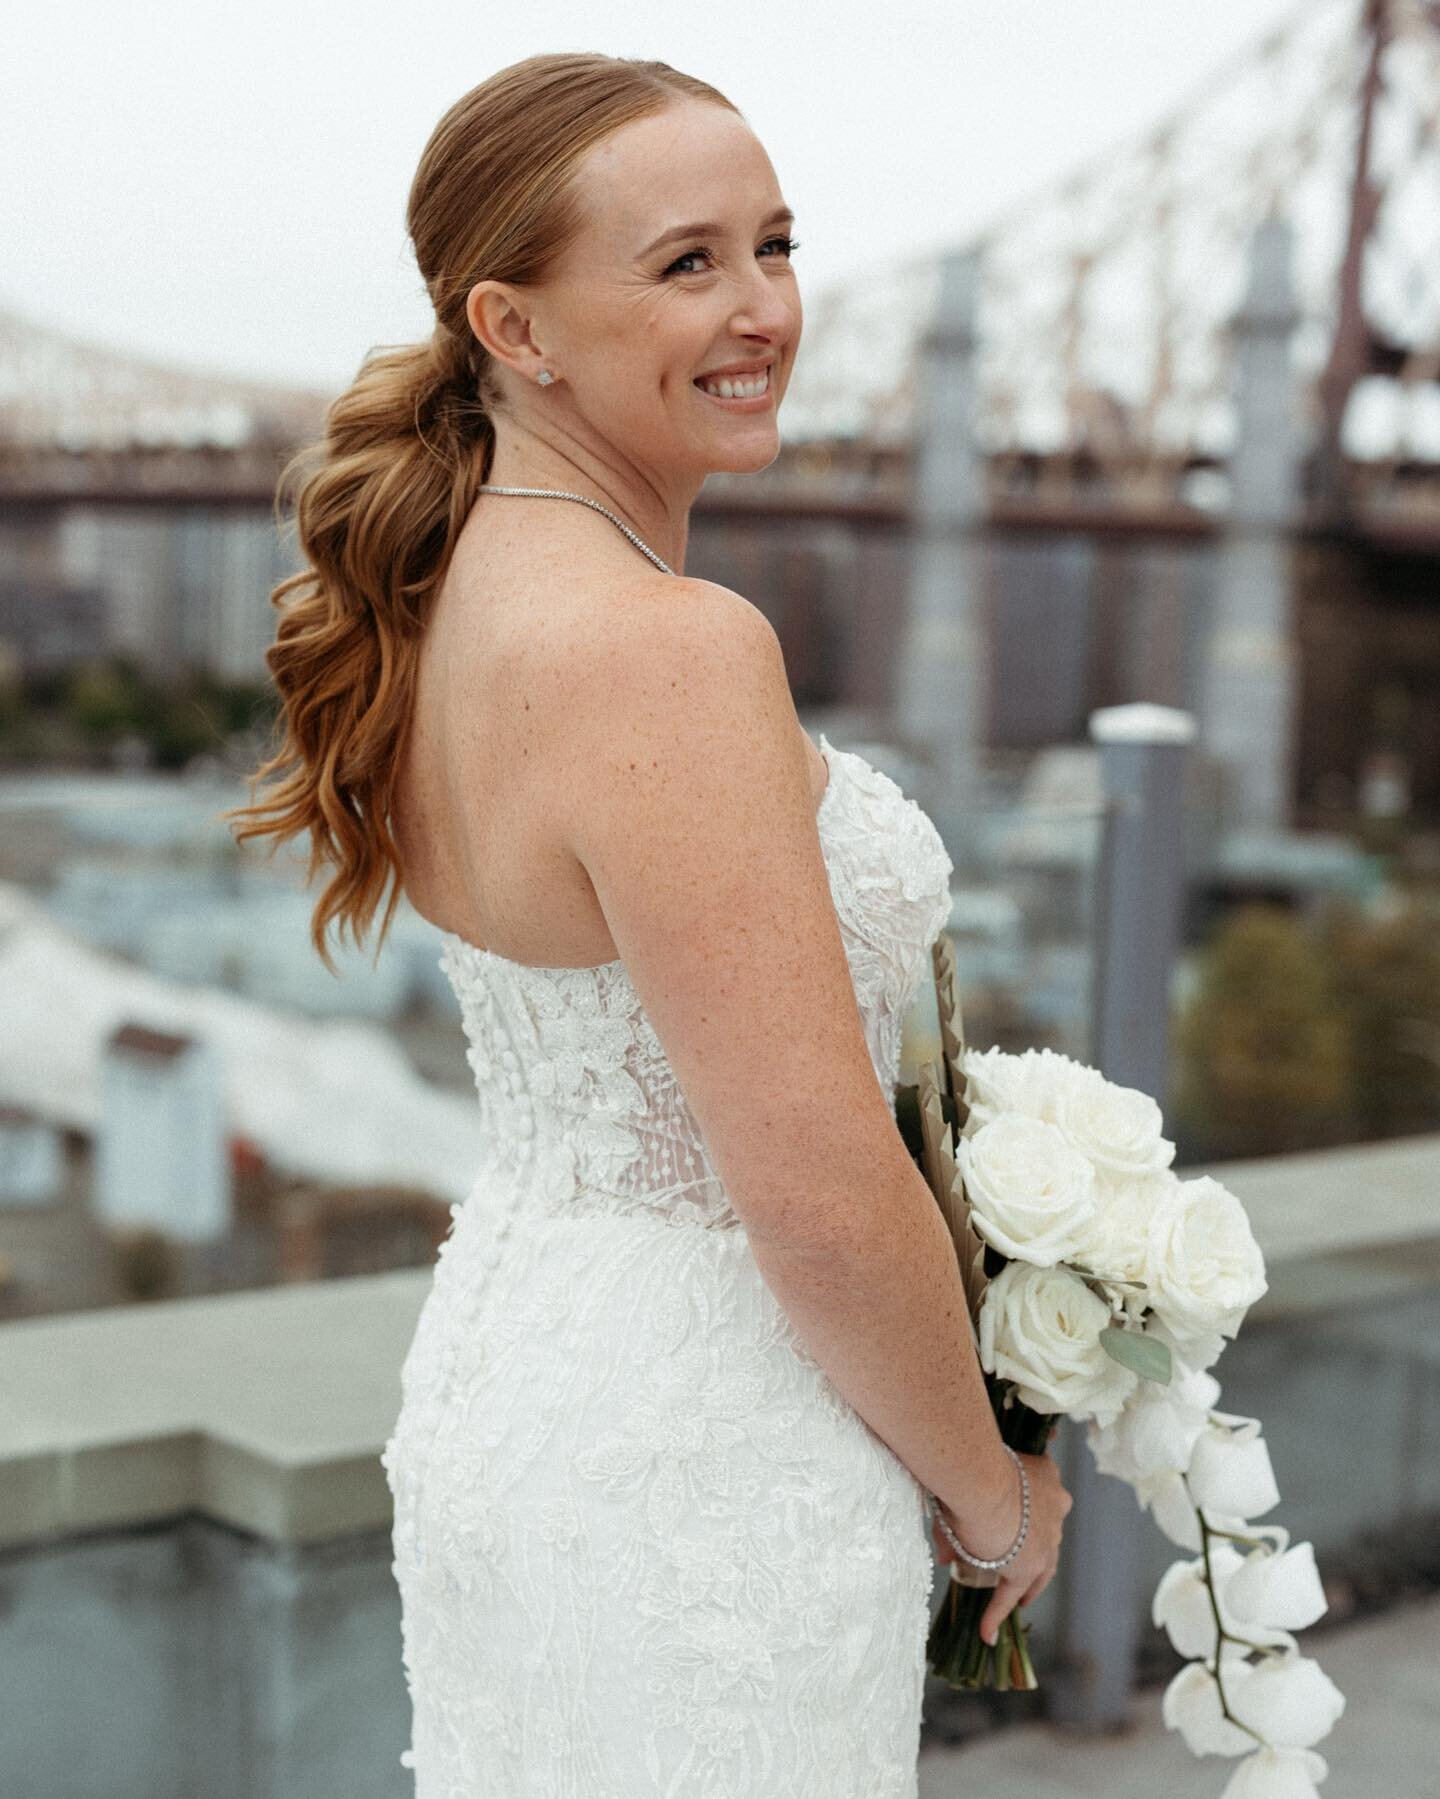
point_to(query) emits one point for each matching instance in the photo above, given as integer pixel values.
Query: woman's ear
(503, 328)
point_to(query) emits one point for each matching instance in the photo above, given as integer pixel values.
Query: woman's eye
(787, 244)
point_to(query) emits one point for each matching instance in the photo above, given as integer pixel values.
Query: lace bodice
(571, 1075)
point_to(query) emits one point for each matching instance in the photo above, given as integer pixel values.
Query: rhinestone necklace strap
(556, 493)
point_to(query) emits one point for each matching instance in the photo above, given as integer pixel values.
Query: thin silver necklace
(556, 493)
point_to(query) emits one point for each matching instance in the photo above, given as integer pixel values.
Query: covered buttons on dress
(509, 1108)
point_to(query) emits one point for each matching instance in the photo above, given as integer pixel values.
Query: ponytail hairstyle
(382, 496)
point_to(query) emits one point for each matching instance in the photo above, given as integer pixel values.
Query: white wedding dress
(644, 1546)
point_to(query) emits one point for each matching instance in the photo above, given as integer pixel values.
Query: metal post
(1248, 681)
(1140, 892)
(940, 702)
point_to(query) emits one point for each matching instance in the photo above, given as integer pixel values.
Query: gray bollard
(1139, 897)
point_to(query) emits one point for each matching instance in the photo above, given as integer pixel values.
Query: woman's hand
(1026, 1578)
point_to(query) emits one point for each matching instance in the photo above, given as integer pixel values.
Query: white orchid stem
(1234, 1536)
(1222, 1636)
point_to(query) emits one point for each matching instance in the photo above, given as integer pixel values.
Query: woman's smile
(742, 401)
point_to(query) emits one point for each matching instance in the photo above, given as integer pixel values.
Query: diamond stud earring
(545, 377)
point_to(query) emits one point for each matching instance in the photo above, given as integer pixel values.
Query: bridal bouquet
(1102, 1287)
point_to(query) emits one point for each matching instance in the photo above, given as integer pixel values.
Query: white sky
(224, 185)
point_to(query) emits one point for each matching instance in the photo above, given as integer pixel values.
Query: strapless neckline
(474, 951)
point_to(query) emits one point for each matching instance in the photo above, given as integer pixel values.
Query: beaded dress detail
(644, 1546)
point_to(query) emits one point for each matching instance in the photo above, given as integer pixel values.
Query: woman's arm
(687, 800)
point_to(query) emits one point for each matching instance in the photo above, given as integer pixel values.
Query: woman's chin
(757, 451)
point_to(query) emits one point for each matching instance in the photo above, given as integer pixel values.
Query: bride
(695, 1355)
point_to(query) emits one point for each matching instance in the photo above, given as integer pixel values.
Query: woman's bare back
(475, 811)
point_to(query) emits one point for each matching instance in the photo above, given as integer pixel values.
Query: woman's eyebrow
(707, 228)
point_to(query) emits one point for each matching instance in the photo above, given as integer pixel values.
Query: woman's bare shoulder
(628, 633)
(638, 608)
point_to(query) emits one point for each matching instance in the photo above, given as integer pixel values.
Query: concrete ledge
(1367, 1275)
(268, 1410)
(1323, 1200)
(265, 1410)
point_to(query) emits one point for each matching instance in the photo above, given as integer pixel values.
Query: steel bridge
(1105, 356)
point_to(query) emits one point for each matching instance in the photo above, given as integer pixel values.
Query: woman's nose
(766, 307)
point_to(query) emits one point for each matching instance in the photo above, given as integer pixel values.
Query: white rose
(1116, 1244)
(1158, 1428)
(1040, 1328)
(1032, 1194)
(1277, 1774)
(1205, 1265)
(1030, 1084)
(1117, 1128)
(1289, 1700)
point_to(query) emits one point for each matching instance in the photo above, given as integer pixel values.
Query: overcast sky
(224, 186)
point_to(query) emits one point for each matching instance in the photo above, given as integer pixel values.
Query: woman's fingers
(1006, 1597)
(1038, 1586)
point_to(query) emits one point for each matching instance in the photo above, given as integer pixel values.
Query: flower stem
(1222, 1636)
(1233, 1536)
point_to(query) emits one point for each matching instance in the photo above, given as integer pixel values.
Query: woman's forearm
(883, 1312)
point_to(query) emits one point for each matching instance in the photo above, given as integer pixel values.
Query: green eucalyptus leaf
(1148, 1356)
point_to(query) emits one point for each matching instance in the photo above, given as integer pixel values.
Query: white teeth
(737, 387)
